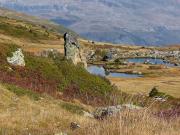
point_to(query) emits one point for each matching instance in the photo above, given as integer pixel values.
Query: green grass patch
(66, 73)
(72, 108)
(56, 74)
(27, 31)
(45, 66)
(84, 80)
(22, 92)
(155, 93)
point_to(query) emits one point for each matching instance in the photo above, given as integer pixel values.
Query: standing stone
(17, 59)
(72, 50)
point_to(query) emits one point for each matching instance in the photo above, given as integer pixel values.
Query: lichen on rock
(17, 58)
(73, 50)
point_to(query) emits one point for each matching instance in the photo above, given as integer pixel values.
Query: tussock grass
(133, 123)
(21, 115)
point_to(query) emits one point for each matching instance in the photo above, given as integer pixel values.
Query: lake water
(150, 60)
(99, 70)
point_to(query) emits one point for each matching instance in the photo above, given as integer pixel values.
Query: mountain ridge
(127, 22)
(34, 20)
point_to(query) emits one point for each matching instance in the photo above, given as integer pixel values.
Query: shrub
(72, 108)
(85, 81)
(100, 52)
(154, 92)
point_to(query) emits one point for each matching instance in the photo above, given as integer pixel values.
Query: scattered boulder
(74, 125)
(73, 50)
(161, 99)
(17, 59)
(108, 57)
(103, 112)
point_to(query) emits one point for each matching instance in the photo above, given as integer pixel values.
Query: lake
(99, 70)
(151, 61)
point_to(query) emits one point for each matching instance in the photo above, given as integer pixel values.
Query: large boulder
(17, 58)
(73, 50)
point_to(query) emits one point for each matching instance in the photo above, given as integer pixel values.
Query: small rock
(74, 125)
(160, 99)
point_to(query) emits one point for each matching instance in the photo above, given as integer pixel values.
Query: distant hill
(140, 22)
(34, 20)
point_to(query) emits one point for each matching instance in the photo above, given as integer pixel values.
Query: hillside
(34, 20)
(49, 73)
(118, 21)
(24, 112)
(50, 95)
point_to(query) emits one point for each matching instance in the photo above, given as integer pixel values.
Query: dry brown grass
(169, 85)
(21, 115)
(166, 79)
(133, 123)
(24, 116)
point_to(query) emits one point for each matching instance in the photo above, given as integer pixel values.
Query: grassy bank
(21, 114)
(55, 76)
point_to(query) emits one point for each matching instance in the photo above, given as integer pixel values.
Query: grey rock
(103, 112)
(74, 125)
(160, 99)
(108, 57)
(73, 50)
(17, 59)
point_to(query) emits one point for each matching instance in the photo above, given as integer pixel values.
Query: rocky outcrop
(17, 58)
(73, 50)
(103, 112)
